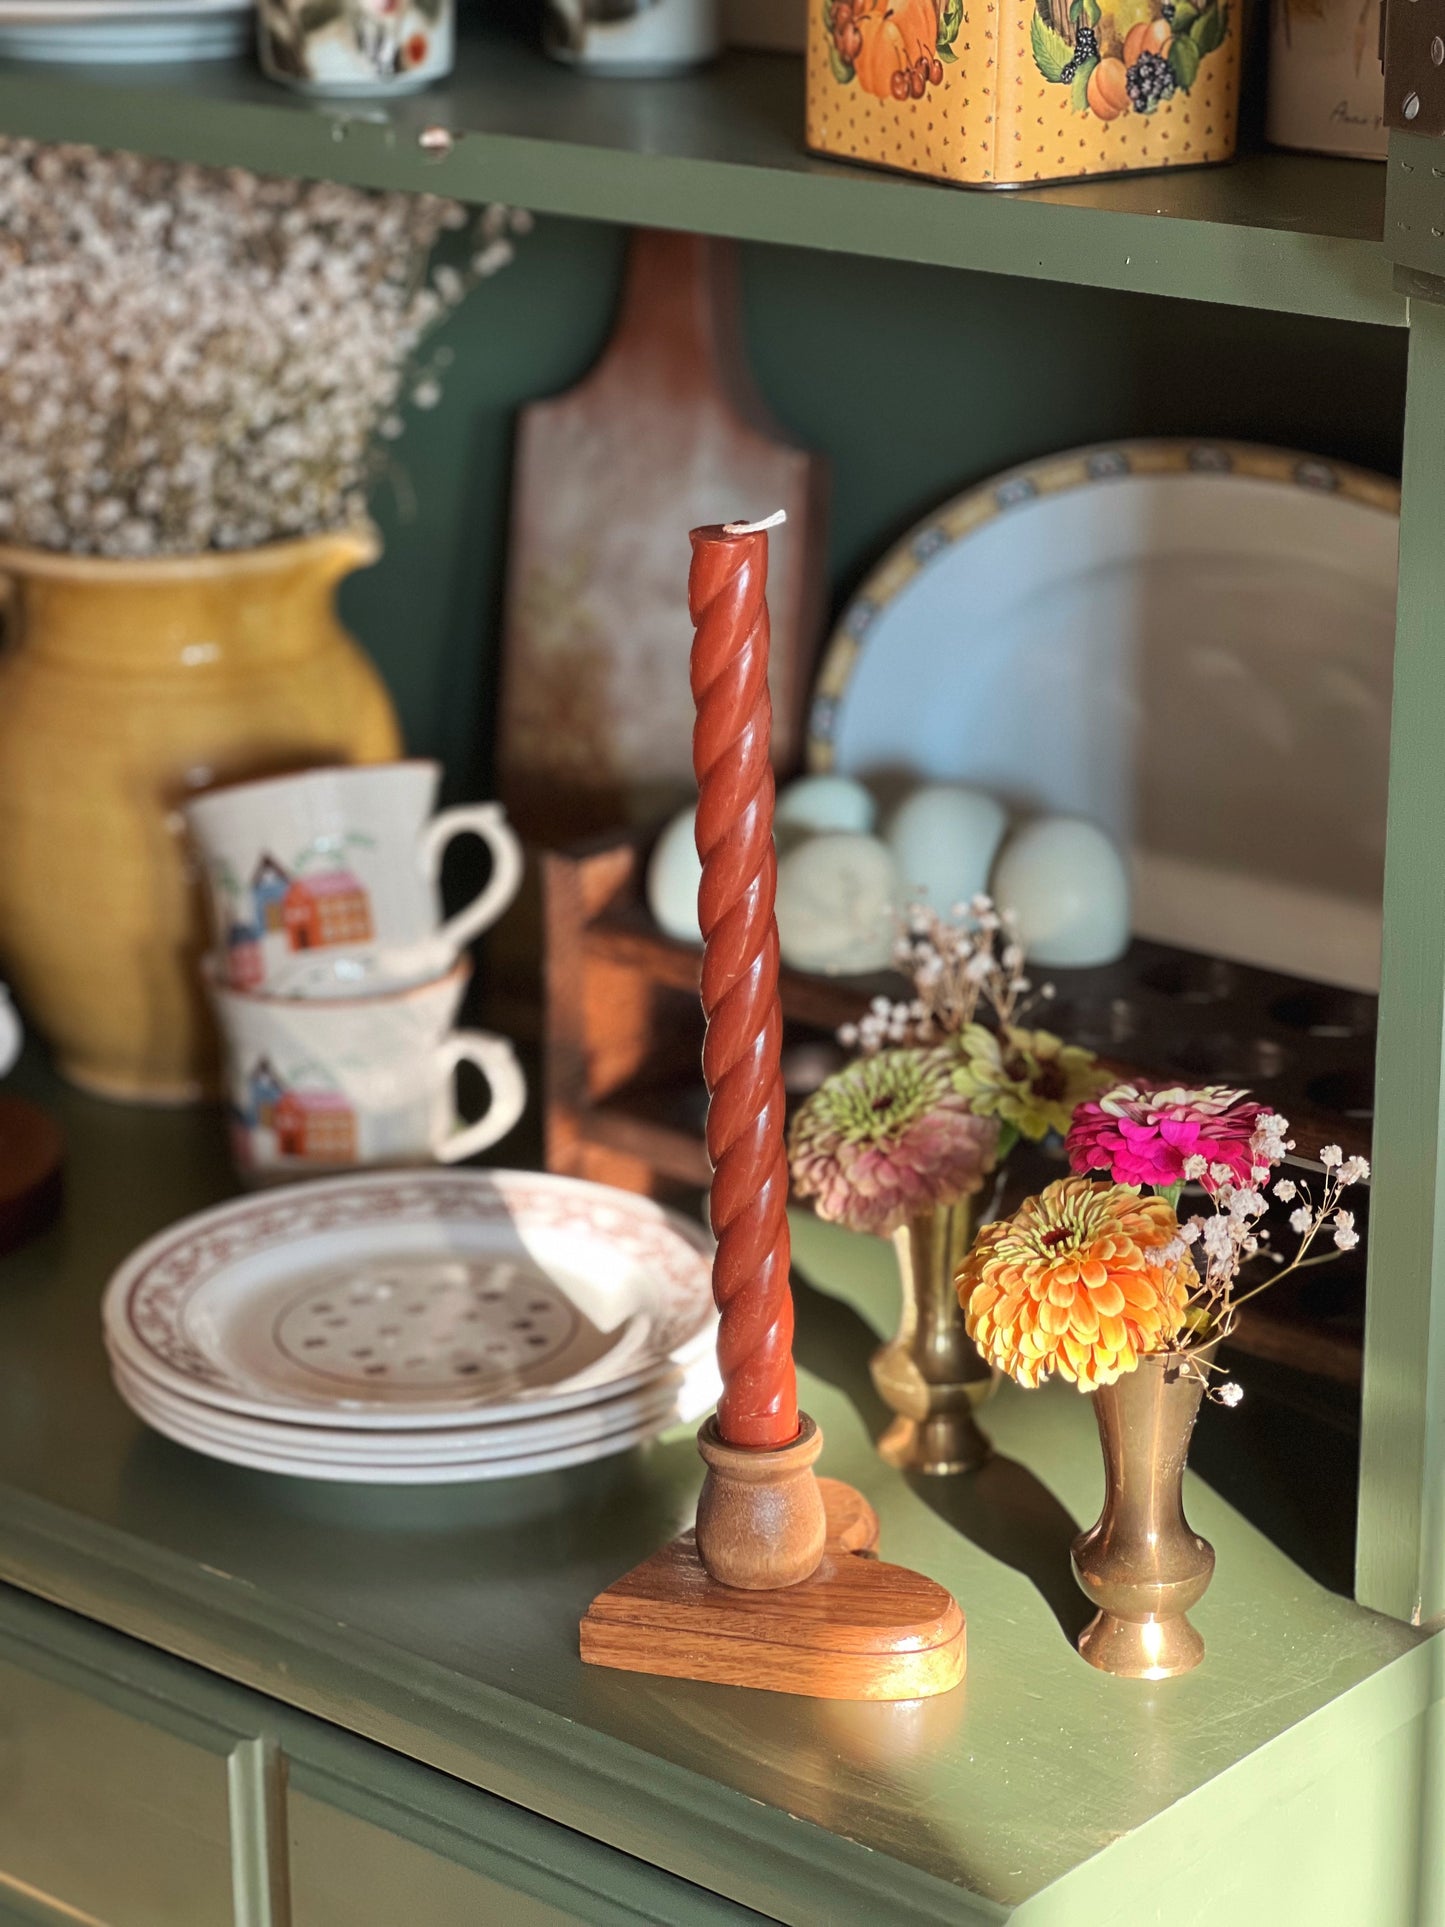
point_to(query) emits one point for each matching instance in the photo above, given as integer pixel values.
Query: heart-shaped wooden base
(858, 1629)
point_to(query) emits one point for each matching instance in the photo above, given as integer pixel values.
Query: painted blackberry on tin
(1124, 56)
(1149, 81)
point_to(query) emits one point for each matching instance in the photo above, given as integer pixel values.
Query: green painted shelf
(722, 153)
(443, 1623)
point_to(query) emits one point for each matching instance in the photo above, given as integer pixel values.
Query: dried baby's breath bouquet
(936, 1099)
(196, 359)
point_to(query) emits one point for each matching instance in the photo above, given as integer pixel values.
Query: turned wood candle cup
(760, 1518)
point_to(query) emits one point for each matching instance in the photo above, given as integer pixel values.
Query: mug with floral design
(632, 39)
(354, 48)
(325, 1085)
(324, 884)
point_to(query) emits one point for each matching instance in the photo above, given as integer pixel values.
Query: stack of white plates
(418, 1327)
(103, 31)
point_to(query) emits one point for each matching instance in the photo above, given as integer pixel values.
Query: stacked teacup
(336, 981)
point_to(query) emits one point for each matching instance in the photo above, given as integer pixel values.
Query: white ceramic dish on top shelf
(109, 32)
(415, 1300)
(1188, 643)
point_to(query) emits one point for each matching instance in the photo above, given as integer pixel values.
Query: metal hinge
(1414, 236)
(1412, 36)
(1412, 41)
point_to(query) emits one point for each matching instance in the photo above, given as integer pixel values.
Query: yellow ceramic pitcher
(125, 687)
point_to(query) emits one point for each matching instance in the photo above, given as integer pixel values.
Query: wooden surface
(761, 1524)
(853, 1525)
(443, 1624)
(858, 1629)
(722, 152)
(32, 1163)
(666, 433)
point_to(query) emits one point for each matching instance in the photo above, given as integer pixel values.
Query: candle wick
(755, 528)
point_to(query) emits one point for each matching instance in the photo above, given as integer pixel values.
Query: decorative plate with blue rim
(1189, 643)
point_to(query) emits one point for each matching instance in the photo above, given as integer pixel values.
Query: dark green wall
(914, 381)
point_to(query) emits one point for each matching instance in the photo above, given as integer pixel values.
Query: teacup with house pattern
(317, 1084)
(325, 883)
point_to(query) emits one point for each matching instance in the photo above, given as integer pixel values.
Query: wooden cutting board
(665, 433)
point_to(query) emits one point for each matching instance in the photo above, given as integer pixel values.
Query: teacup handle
(12, 1037)
(496, 1060)
(489, 822)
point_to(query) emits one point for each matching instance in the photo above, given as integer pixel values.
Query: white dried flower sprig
(974, 956)
(194, 358)
(1233, 1233)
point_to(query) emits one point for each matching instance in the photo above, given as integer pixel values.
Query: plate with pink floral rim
(667, 1401)
(415, 1299)
(300, 1464)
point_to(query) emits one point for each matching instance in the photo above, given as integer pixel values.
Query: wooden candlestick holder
(774, 1588)
(854, 1629)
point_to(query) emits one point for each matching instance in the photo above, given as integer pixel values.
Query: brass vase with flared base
(931, 1374)
(1143, 1565)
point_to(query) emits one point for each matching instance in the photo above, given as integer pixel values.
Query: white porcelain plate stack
(106, 31)
(418, 1328)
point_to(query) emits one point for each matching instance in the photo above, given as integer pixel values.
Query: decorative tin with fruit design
(1001, 93)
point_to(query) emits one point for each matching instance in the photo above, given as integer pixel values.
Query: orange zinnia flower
(1081, 1280)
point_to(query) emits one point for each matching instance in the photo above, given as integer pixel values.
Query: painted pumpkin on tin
(895, 49)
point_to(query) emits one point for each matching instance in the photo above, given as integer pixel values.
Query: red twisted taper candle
(731, 741)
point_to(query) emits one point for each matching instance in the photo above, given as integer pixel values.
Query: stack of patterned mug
(335, 979)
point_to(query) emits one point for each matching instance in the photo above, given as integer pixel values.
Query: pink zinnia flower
(1147, 1137)
(888, 1139)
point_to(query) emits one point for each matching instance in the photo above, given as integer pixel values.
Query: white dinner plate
(105, 32)
(72, 14)
(1190, 644)
(669, 1402)
(415, 1299)
(394, 1471)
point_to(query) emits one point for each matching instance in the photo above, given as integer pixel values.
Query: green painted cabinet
(105, 1812)
(272, 1702)
(231, 1698)
(137, 1791)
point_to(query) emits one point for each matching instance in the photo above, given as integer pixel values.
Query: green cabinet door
(139, 1791)
(106, 1816)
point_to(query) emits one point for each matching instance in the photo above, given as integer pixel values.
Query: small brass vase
(931, 1374)
(1143, 1565)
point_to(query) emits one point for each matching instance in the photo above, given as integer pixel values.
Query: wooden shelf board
(721, 152)
(629, 1126)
